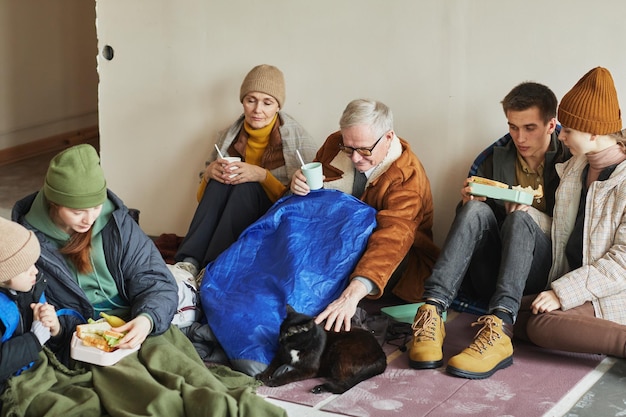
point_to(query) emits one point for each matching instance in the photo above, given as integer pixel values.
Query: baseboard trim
(57, 143)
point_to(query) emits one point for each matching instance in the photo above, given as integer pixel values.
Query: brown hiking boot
(428, 333)
(491, 350)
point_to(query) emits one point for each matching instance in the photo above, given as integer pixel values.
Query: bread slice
(487, 181)
(95, 328)
(97, 341)
(537, 193)
(112, 337)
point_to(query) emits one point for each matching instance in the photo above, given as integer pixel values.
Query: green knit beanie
(75, 178)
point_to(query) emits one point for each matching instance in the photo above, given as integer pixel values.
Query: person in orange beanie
(584, 309)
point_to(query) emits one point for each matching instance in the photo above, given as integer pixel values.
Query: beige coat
(602, 278)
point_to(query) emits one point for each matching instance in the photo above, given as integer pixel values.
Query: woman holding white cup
(251, 169)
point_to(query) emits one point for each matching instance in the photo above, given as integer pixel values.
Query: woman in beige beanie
(584, 309)
(232, 195)
(26, 321)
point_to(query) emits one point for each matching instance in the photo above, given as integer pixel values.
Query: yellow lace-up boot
(491, 350)
(428, 333)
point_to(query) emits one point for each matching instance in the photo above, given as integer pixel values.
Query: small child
(26, 321)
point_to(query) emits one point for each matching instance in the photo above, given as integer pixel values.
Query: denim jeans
(491, 263)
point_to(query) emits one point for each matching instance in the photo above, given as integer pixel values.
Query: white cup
(230, 160)
(313, 173)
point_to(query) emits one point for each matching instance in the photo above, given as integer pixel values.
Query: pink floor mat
(535, 382)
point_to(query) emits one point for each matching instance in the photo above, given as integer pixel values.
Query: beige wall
(48, 78)
(442, 66)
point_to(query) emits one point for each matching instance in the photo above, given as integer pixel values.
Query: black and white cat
(306, 351)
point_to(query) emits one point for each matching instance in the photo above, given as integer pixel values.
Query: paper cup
(313, 173)
(231, 159)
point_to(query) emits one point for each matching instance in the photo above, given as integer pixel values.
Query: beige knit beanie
(591, 106)
(19, 249)
(264, 79)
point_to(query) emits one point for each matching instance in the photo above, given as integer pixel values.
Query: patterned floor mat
(530, 387)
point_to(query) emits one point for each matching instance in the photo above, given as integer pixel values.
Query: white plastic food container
(95, 356)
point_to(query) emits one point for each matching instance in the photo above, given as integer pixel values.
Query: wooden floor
(602, 394)
(19, 179)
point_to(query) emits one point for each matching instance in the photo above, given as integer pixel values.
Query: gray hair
(367, 112)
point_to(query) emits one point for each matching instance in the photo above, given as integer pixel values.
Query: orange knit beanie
(591, 106)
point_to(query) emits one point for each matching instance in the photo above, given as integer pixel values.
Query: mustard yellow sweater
(257, 142)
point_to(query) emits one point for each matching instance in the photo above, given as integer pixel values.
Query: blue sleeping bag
(301, 253)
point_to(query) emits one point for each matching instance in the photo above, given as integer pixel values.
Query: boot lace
(486, 336)
(425, 326)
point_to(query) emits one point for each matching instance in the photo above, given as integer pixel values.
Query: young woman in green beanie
(232, 196)
(85, 230)
(97, 260)
(584, 309)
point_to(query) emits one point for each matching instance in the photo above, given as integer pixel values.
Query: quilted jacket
(134, 262)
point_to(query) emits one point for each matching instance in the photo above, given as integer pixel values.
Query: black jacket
(136, 265)
(497, 162)
(23, 347)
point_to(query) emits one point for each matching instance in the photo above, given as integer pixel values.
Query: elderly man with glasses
(365, 158)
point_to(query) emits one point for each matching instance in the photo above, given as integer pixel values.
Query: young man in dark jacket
(496, 251)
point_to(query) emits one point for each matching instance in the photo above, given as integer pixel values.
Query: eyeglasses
(349, 150)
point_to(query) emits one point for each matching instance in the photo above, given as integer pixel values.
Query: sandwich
(99, 334)
(537, 193)
(486, 181)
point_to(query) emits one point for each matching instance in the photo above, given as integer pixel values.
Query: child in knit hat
(585, 308)
(27, 321)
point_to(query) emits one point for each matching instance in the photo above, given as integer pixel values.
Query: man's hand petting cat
(339, 313)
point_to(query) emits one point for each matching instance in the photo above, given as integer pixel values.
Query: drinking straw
(219, 153)
(300, 157)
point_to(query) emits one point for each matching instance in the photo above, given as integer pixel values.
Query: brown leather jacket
(400, 190)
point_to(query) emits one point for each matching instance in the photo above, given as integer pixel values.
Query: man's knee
(476, 208)
(518, 223)
(476, 215)
(475, 211)
(518, 217)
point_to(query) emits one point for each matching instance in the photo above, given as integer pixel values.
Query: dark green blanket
(164, 378)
